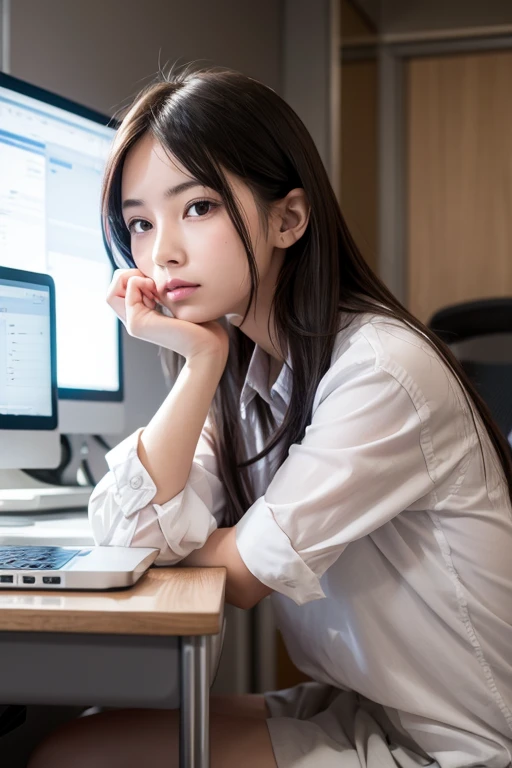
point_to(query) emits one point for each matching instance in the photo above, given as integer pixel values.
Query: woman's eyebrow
(171, 192)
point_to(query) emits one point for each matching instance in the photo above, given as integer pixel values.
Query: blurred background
(410, 105)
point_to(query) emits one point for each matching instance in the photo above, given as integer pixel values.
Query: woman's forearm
(167, 445)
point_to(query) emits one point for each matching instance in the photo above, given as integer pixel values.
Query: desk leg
(195, 703)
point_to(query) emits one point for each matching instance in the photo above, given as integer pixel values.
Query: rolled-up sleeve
(121, 512)
(361, 462)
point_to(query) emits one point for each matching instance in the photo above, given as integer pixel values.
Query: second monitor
(28, 371)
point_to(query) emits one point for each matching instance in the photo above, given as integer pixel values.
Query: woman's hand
(117, 291)
(133, 297)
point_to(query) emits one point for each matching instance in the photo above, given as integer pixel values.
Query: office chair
(479, 334)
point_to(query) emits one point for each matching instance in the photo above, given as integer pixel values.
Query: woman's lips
(182, 293)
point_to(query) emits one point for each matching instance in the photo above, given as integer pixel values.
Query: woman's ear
(290, 218)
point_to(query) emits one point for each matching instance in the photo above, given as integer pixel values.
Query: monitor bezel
(11, 421)
(61, 102)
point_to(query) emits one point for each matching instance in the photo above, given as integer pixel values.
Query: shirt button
(136, 482)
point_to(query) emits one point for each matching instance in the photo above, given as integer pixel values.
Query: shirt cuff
(135, 487)
(186, 520)
(268, 553)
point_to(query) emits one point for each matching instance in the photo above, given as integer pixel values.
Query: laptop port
(51, 579)
(29, 579)
(6, 579)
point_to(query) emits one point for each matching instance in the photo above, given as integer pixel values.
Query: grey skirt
(317, 726)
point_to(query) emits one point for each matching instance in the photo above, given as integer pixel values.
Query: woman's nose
(165, 251)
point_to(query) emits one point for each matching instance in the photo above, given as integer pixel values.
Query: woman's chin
(193, 314)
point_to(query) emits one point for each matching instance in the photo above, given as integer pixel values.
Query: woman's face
(181, 230)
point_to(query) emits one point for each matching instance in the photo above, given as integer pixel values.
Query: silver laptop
(86, 568)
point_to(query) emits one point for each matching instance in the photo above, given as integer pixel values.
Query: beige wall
(101, 51)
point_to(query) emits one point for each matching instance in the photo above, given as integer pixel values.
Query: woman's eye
(201, 208)
(144, 226)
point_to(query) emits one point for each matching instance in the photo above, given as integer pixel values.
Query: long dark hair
(218, 120)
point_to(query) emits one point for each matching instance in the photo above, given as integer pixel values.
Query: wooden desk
(184, 603)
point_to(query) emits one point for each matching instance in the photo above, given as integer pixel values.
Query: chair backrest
(473, 318)
(479, 333)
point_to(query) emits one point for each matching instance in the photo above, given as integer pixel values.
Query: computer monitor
(52, 158)
(28, 371)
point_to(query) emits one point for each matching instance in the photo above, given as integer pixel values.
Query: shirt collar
(256, 380)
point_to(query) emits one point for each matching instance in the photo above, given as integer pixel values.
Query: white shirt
(389, 554)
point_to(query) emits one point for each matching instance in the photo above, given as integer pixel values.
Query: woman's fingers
(139, 288)
(129, 288)
(120, 280)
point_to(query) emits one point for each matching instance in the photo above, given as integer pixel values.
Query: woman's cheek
(141, 255)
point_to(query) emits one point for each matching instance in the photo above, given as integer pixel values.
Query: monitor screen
(28, 370)
(52, 158)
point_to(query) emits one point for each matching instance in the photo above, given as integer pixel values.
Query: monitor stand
(11, 476)
(17, 478)
(20, 493)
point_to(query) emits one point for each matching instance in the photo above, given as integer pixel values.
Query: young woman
(318, 441)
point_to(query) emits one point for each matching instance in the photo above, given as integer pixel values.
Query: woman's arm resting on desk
(242, 588)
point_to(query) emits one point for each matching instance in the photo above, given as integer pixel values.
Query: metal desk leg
(195, 702)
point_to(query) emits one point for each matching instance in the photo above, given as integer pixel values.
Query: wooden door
(359, 161)
(458, 179)
(359, 131)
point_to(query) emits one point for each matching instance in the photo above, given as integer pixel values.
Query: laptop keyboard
(33, 558)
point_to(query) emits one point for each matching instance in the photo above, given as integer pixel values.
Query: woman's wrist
(213, 360)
